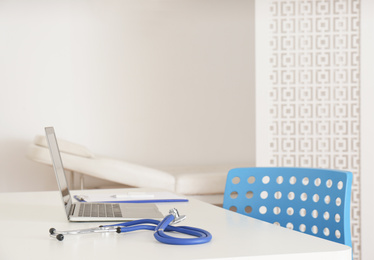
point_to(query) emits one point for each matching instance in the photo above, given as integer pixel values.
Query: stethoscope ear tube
(59, 235)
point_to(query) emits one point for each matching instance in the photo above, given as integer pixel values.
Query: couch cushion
(199, 180)
(65, 147)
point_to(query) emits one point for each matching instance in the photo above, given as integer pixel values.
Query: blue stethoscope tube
(200, 236)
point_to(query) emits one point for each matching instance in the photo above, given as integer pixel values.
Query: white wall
(367, 129)
(308, 78)
(158, 83)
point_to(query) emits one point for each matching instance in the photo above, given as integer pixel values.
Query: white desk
(26, 218)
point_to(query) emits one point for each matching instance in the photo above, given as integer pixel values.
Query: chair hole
(326, 215)
(338, 201)
(234, 195)
(264, 194)
(326, 232)
(315, 197)
(251, 180)
(303, 196)
(337, 218)
(276, 210)
(291, 195)
(302, 212)
(289, 225)
(249, 194)
(279, 179)
(302, 228)
(292, 180)
(265, 179)
(338, 234)
(315, 213)
(233, 208)
(290, 211)
(314, 229)
(278, 195)
(340, 185)
(277, 224)
(305, 181)
(248, 209)
(327, 199)
(317, 182)
(235, 180)
(329, 183)
(263, 210)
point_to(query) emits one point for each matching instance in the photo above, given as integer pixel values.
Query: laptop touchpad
(140, 210)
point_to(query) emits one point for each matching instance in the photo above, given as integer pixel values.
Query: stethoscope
(159, 227)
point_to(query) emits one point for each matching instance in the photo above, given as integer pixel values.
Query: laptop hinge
(72, 209)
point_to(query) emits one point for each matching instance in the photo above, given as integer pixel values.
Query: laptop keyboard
(99, 210)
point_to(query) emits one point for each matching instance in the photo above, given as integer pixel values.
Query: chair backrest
(313, 201)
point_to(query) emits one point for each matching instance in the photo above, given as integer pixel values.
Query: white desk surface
(26, 218)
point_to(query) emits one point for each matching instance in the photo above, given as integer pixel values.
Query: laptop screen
(58, 168)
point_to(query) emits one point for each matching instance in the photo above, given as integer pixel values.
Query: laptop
(85, 211)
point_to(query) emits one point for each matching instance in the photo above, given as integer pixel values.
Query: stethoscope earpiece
(60, 237)
(52, 233)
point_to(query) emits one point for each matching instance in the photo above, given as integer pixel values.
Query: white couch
(204, 183)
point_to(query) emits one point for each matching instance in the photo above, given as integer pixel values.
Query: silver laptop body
(84, 211)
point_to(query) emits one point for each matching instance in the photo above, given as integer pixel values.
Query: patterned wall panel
(312, 88)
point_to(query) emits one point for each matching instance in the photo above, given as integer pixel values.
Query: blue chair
(313, 201)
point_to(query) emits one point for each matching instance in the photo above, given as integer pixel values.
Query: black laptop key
(95, 210)
(117, 211)
(87, 210)
(102, 212)
(109, 210)
(80, 213)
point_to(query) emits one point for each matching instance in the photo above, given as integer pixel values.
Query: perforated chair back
(313, 201)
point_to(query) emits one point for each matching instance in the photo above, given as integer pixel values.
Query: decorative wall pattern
(314, 89)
